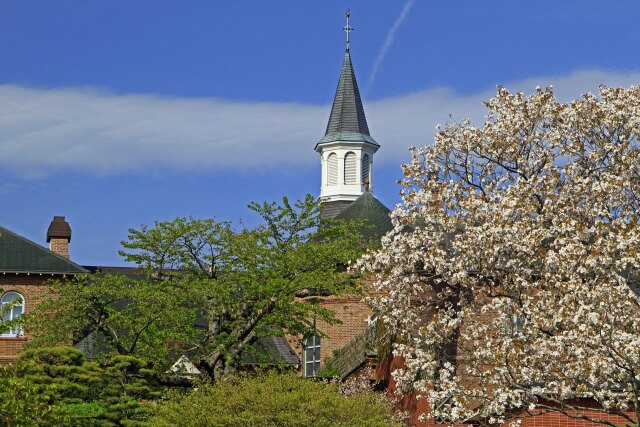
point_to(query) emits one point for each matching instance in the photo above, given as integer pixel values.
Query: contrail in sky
(387, 43)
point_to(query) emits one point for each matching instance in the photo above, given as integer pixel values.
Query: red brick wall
(410, 404)
(353, 313)
(60, 246)
(560, 420)
(33, 289)
(407, 403)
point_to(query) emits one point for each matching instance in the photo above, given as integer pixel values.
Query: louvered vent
(365, 168)
(350, 168)
(332, 169)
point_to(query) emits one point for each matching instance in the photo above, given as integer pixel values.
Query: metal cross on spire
(347, 29)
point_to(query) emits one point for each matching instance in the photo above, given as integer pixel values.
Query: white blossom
(511, 270)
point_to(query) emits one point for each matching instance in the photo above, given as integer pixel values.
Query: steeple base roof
(347, 137)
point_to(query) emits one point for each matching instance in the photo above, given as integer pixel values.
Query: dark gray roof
(270, 350)
(20, 255)
(93, 345)
(347, 121)
(129, 272)
(372, 211)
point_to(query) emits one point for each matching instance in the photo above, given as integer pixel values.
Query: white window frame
(9, 298)
(311, 365)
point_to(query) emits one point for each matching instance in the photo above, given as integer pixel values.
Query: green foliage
(184, 244)
(143, 318)
(272, 400)
(328, 370)
(21, 403)
(57, 386)
(250, 277)
(237, 284)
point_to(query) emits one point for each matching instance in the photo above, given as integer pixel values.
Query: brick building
(25, 269)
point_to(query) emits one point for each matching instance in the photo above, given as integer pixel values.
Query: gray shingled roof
(347, 121)
(20, 255)
(270, 350)
(368, 208)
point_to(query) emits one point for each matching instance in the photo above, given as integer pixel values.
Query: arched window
(365, 170)
(311, 355)
(11, 307)
(350, 168)
(332, 169)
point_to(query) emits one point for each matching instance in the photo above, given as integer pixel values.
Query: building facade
(25, 270)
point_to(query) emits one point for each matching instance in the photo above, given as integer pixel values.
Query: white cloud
(92, 131)
(410, 120)
(103, 133)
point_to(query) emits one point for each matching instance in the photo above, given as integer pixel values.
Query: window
(332, 169)
(515, 325)
(350, 168)
(311, 355)
(372, 319)
(11, 307)
(518, 325)
(365, 169)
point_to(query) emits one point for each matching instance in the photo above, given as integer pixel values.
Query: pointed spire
(347, 113)
(347, 121)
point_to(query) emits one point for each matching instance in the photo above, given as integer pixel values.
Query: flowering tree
(512, 272)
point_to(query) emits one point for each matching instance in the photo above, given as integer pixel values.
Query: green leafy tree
(251, 278)
(21, 403)
(58, 386)
(273, 399)
(127, 316)
(211, 290)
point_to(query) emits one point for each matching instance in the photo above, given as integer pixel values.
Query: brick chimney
(59, 236)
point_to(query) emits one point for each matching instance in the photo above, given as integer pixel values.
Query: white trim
(343, 191)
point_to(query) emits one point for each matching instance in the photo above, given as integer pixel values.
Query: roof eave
(347, 138)
(43, 273)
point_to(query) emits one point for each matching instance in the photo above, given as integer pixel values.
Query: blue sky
(115, 114)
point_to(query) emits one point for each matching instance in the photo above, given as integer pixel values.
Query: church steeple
(347, 113)
(347, 121)
(347, 147)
